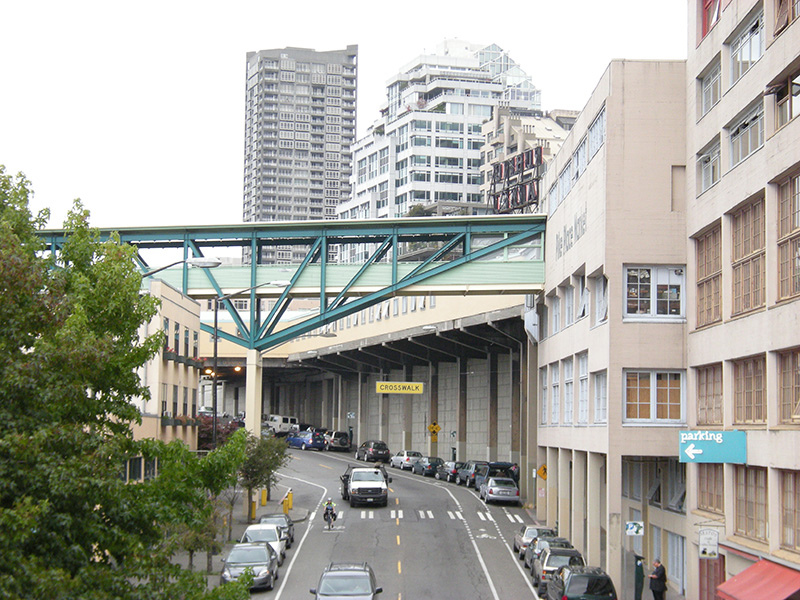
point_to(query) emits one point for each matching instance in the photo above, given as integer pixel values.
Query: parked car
(537, 546)
(306, 440)
(492, 469)
(549, 562)
(337, 440)
(580, 583)
(405, 459)
(427, 466)
(280, 424)
(272, 534)
(374, 450)
(260, 557)
(500, 489)
(448, 470)
(466, 474)
(354, 581)
(281, 520)
(526, 535)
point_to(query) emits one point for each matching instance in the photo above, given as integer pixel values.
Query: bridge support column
(491, 417)
(462, 410)
(252, 418)
(433, 406)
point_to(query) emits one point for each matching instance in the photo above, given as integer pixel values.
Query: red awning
(764, 580)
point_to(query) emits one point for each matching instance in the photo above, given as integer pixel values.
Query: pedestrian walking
(658, 580)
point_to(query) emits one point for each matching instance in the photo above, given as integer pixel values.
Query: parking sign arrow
(691, 451)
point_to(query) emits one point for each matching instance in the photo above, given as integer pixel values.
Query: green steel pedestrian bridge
(462, 255)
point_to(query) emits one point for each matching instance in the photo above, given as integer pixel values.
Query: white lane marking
(421, 514)
(519, 519)
(510, 517)
(458, 514)
(393, 514)
(450, 514)
(430, 514)
(399, 514)
(480, 514)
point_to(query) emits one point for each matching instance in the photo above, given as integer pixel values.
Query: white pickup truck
(366, 485)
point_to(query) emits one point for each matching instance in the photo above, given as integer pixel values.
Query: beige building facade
(610, 371)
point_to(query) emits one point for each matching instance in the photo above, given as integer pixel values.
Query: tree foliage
(263, 458)
(69, 353)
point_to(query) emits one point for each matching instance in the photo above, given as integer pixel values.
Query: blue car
(306, 440)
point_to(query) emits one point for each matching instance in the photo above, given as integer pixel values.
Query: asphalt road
(435, 540)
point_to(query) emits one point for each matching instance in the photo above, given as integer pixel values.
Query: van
(280, 424)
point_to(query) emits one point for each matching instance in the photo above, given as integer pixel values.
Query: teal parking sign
(713, 446)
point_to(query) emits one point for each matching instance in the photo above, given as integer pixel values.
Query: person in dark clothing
(658, 580)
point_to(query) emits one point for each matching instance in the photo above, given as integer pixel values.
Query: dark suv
(466, 474)
(580, 583)
(374, 450)
(549, 561)
(355, 581)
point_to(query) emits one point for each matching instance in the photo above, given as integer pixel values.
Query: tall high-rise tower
(300, 122)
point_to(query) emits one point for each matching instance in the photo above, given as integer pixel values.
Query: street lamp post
(199, 261)
(216, 340)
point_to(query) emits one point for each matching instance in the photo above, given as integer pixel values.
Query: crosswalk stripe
(480, 514)
(450, 514)
(458, 514)
(399, 514)
(489, 517)
(510, 517)
(519, 519)
(422, 514)
(430, 514)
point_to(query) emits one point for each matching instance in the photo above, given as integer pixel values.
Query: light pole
(216, 340)
(199, 261)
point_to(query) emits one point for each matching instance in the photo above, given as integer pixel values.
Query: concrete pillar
(578, 516)
(565, 493)
(461, 436)
(517, 443)
(542, 486)
(252, 418)
(361, 417)
(595, 518)
(552, 486)
(383, 414)
(433, 405)
(616, 521)
(491, 417)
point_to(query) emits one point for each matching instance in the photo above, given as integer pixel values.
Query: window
(747, 135)
(555, 303)
(789, 382)
(747, 47)
(747, 225)
(554, 390)
(676, 485)
(751, 502)
(676, 556)
(748, 390)
(583, 388)
(709, 167)
(569, 305)
(788, 100)
(709, 395)
(543, 396)
(600, 397)
(569, 390)
(789, 238)
(710, 487)
(583, 297)
(597, 133)
(711, 10)
(790, 509)
(710, 87)
(788, 11)
(654, 291)
(653, 396)
(709, 277)
(601, 298)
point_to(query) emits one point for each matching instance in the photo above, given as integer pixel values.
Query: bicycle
(330, 516)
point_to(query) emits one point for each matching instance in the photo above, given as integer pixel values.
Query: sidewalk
(239, 524)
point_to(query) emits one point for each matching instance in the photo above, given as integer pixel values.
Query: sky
(137, 108)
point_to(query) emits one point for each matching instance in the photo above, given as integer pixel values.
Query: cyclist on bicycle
(329, 511)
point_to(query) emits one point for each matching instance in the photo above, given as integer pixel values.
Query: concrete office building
(300, 124)
(612, 386)
(426, 148)
(743, 274)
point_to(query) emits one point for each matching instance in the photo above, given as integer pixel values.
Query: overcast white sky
(137, 107)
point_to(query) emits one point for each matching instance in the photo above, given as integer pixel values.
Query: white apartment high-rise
(426, 148)
(300, 124)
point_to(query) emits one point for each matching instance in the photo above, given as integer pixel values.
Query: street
(434, 540)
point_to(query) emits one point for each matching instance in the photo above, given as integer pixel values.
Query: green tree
(263, 458)
(70, 348)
